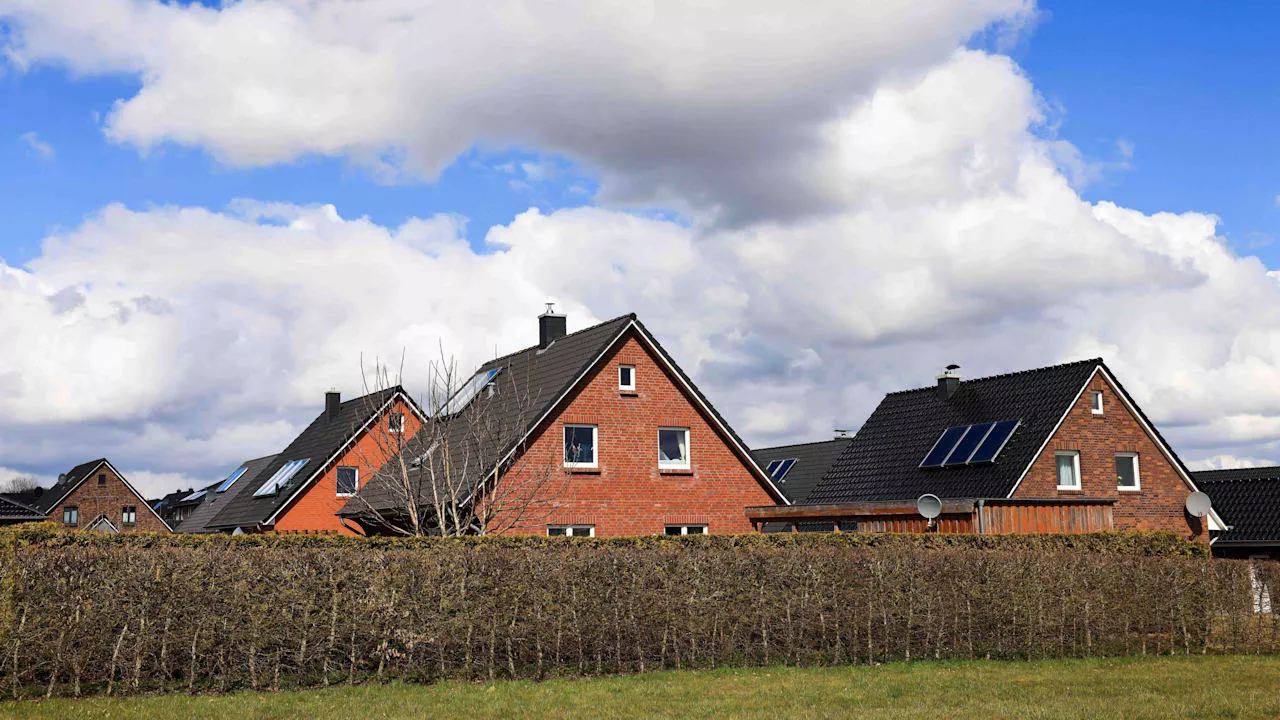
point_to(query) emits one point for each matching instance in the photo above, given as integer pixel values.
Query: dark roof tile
(1247, 500)
(813, 460)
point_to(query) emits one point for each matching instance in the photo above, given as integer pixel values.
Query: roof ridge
(1090, 361)
(629, 316)
(1265, 472)
(801, 444)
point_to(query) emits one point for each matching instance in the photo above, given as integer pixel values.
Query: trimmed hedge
(84, 613)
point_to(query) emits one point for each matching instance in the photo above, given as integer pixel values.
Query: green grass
(1196, 687)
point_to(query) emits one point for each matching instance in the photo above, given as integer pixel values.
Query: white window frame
(392, 425)
(1095, 402)
(688, 450)
(125, 518)
(339, 493)
(572, 530)
(1137, 474)
(684, 529)
(625, 387)
(1075, 456)
(595, 447)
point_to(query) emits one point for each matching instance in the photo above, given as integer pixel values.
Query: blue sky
(1192, 86)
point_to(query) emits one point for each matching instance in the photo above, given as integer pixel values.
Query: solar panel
(281, 478)
(972, 438)
(193, 496)
(994, 442)
(464, 396)
(941, 449)
(230, 480)
(780, 470)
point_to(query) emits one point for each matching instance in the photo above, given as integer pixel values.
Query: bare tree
(463, 467)
(18, 484)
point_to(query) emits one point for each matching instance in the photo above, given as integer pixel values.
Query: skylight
(230, 480)
(193, 496)
(281, 478)
(468, 392)
(778, 469)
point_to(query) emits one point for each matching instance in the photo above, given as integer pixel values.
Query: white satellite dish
(1198, 504)
(929, 506)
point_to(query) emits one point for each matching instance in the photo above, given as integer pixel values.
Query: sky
(214, 213)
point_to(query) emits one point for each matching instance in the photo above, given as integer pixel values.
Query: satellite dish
(929, 506)
(1198, 504)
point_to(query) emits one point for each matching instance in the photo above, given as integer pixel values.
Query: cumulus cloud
(40, 148)
(869, 204)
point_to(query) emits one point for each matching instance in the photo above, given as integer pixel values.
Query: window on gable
(1068, 464)
(686, 530)
(580, 446)
(626, 377)
(70, 515)
(395, 423)
(129, 515)
(571, 531)
(102, 479)
(1127, 477)
(673, 448)
(348, 481)
(1095, 402)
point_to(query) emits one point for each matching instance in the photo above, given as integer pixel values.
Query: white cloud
(42, 149)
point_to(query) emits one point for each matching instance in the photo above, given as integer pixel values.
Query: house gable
(108, 499)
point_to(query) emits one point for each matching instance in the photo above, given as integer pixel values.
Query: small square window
(580, 446)
(571, 531)
(1127, 476)
(348, 481)
(102, 479)
(626, 377)
(129, 515)
(673, 448)
(686, 530)
(395, 423)
(1095, 402)
(70, 515)
(1068, 464)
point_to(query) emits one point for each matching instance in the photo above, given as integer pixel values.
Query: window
(580, 446)
(70, 515)
(129, 515)
(348, 481)
(395, 423)
(686, 530)
(102, 479)
(571, 531)
(1095, 402)
(281, 477)
(673, 448)
(1127, 477)
(1068, 470)
(626, 377)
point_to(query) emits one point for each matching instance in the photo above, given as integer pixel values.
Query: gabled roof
(812, 461)
(72, 479)
(547, 376)
(882, 462)
(212, 502)
(1247, 500)
(13, 510)
(319, 444)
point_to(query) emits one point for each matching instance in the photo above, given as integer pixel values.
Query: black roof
(318, 443)
(67, 482)
(544, 375)
(1247, 500)
(882, 462)
(813, 460)
(13, 510)
(212, 502)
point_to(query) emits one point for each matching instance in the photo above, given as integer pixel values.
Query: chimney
(551, 327)
(332, 401)
(948, 382)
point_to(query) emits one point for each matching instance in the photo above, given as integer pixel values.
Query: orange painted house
(1056, 449)
(302, 488)
(609, 437)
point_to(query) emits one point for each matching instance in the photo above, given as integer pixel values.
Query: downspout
(981, 503)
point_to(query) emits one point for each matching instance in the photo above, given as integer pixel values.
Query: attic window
(348, 481)
(580, 446)
(102, 479)
(1095, 402)
(395, 423)
(627, 377)
(70, 515)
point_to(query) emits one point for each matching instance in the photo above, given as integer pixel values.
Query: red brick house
(610, 437)
(302, 488)
(97, 496)
(1057, 449)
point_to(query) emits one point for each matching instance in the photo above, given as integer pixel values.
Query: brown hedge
(84, 613)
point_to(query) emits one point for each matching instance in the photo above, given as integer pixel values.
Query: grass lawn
(1198, 687)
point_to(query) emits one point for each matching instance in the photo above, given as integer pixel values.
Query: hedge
(82, 613)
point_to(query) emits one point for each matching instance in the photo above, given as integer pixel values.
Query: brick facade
(315, 510)
(110, 498)
(1157, 505)
(627, 494)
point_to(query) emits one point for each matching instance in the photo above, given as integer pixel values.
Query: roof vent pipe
(948, 382)
(332, 401)
(551, 327)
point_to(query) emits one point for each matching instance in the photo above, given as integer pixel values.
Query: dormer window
(1095, 402)
(627, 378)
